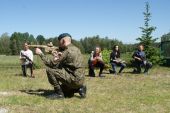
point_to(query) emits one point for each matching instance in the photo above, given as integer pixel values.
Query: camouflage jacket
(71, 60)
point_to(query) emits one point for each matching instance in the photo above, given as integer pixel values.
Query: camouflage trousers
(61, 79)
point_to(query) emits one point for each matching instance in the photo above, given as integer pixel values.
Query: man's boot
(68, 92)
(82, 91)
(57, 95)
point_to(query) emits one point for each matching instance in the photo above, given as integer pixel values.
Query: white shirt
(27, 53)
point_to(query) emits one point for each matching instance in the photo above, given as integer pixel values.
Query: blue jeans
(114, 64)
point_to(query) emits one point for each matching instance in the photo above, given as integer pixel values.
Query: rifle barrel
(47, 48)
(39, 46)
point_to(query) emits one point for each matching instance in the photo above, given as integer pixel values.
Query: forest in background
(12, 45)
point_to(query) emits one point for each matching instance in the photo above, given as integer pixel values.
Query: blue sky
(118, 19)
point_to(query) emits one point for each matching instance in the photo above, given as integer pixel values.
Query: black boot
(68, 92)
(135, 71)
(82, 91)
(57, 95)
(91, 73)
(112, 72)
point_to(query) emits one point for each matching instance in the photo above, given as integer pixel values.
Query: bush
(106, 57)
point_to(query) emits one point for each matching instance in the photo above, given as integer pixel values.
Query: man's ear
(64, 41)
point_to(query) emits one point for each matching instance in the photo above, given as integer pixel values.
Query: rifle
(26, 57)
(48, 48)
(119, 60)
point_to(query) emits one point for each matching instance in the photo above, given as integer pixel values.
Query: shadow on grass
(130, 72)
(39, 92)
(19, 74)
(44, 93)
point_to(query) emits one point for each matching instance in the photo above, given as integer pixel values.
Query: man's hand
(98, 58)
(38, 51)
(56, 55)
(138, 58)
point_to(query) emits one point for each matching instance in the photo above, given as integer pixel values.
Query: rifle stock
(48, 48)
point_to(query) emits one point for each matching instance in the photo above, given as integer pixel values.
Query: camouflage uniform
(67, 72)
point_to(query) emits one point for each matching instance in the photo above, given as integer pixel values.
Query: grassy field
(128, 93)
(14, 62)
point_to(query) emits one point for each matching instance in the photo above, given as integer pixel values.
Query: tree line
(12, 45)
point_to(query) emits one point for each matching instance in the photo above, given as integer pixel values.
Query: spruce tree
(152, 53)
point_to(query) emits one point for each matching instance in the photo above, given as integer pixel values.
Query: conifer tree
(152, 53)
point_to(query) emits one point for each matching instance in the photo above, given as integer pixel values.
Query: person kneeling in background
(140, 61)
(96, 61)
(115, 60)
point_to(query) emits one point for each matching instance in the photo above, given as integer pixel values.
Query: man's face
(97, 49)
(25, 46)
(141, 48)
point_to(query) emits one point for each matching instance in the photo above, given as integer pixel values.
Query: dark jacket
(139, 54)
(114, 55)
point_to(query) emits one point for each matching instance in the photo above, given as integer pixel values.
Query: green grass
(129, 93)
(113, 94)
(9, 60)
(14, 62)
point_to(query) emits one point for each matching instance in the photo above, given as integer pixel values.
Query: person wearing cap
(65, 72)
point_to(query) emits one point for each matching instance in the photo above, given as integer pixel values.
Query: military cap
(63, 35)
